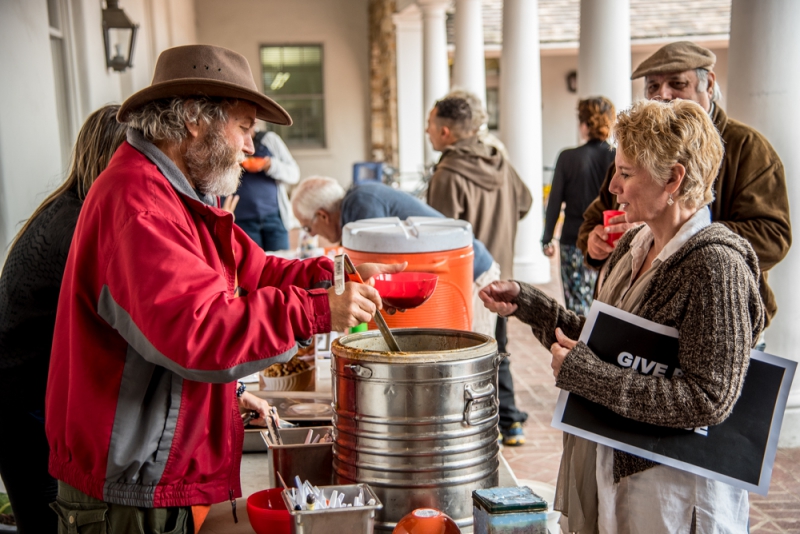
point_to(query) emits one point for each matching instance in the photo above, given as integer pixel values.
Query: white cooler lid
(414, 235)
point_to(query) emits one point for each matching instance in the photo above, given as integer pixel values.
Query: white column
(410, 111)
(436, 74)
(521, 128)
(469, 67)
(604, 55)
(764, 93)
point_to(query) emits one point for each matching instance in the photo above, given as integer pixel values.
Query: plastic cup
(358, 328)
(607, 215)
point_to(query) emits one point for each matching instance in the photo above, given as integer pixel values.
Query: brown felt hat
(204, 70)
(676, 57)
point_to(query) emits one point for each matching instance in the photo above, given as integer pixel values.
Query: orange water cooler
(428, 244)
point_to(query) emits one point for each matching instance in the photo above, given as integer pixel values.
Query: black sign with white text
(739, 451)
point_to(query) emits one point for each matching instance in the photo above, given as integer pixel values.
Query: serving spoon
(388, 337)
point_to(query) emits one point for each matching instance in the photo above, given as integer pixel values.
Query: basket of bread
(295, 375)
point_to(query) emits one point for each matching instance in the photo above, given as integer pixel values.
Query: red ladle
(405, 290)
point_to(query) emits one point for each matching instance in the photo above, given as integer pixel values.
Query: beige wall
(341, 26)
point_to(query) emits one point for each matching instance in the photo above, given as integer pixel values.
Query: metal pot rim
(484, 346)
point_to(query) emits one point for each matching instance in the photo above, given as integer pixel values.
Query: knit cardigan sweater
(708, 291)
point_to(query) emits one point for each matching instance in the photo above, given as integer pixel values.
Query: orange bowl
(426, 521)
(267, 512)
(253, 163)
(405, 290)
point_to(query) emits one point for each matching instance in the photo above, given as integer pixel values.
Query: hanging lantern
(119, 35)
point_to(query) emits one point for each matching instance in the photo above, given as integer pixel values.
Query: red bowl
(267, 512)
(405, 290)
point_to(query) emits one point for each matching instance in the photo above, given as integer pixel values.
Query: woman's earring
(670, 202)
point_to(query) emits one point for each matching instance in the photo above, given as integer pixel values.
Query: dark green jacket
(750, 198)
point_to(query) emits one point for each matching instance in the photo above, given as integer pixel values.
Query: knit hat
(205, 70)
(676, 57)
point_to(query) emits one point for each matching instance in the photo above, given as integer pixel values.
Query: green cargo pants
(80, 514)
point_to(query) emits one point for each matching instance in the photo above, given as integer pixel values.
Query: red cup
(267, 512)
(607, 215)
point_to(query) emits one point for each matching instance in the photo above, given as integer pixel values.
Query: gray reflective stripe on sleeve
(148, 404)
(121, 321)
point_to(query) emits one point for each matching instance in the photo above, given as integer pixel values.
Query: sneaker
(513, 435)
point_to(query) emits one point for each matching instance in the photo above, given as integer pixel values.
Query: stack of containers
(429, 244)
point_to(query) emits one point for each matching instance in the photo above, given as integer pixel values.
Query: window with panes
(292, 76)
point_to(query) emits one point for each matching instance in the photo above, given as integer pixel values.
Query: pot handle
(472, 395)
(358, 370)
(499, 359)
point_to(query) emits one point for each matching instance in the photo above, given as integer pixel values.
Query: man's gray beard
(214, 166)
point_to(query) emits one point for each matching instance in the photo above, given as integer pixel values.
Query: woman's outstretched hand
(498, 297)
(559, 350)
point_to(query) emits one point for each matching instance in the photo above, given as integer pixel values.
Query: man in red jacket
(165, 303)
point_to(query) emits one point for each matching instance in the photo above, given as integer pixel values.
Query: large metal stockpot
(420, 427)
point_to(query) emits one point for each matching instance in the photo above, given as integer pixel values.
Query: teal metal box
(508, 511)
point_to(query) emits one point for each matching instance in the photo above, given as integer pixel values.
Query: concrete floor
(539, 458)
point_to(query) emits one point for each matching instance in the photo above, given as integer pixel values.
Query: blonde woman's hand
(498, 297)
(559, 350)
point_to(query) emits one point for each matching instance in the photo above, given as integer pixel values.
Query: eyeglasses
(307, 229)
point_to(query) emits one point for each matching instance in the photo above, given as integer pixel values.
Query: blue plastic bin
(367, 171)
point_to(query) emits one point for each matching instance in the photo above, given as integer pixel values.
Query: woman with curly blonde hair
(576, 182)
(677, 269)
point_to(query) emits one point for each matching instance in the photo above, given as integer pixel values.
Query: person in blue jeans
(263, 210)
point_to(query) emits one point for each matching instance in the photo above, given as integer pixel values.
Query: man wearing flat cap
(165, 303)
(750, 194)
